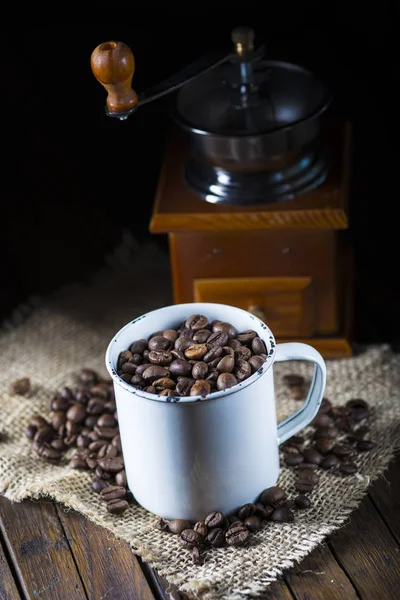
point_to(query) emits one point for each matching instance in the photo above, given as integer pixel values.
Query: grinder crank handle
(113, 65)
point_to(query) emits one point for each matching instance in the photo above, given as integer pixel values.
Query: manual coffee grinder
(253, 188)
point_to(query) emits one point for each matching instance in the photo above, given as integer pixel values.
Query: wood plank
(368, 553)
(40, 550)
(319, 577)
(385, 494)
(8, 586)
(107, 566)
(278, 590)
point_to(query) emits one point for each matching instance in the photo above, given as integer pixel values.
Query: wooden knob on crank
(113, 65)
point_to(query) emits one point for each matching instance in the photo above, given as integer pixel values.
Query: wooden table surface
(49, 553)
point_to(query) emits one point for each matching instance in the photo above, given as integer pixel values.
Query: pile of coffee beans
(336, 436)
(86, 420)
(195, 359)
(219, 530)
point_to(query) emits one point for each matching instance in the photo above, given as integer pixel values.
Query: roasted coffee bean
(184, 386)
(201, 387)
(325, 407)
(242, 370)
(253, 523)
(236, 534)
(182, 368)
(191, 537)
(345, 424)
(282, 514)
(158, 343)
(309, 476)
(161, 358)
(120, 479)
(30, 431)
(288, 448)
(164, 383)
(302, 501)
(226, 364)
(306, 466)
(217, 339)
(304, 485)
(293, 459)
(331, 461)
(329, 433)
(258, 346)
(183, 343)
(20, 387)
(227, 328)
(242, 353)
(129, 368)
(83, 441)
(322, 420)
(88, 377)
(213, 354)
(112, 465)
(201, 336)
(196, 352)
(201, 528)
(48, 453)
(339, 412)
(214, 519)
(293, 380)
(45, 434)
(246, 337)
(38, 422)
(225, 381)
(324, 445)
(178, 525)
(99, 484)
(58, 444)
(256, 362)
(105, 433)
(106, 420)
(117, 507)
(348, 468)
(78, 463)
(154, 372)
(357, 404)
(112, 492)
(200, 370)
(247, 510)
(216, 537)
(312, 456)
(365, 445)
(171, 335)
(59, 417)
(59, 403)
(273, 495)
(196, 322)
(342, 450)
(264, 512)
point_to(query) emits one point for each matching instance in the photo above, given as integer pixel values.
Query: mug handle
(302, 417)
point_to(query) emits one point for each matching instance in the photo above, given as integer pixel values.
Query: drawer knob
(257, 311)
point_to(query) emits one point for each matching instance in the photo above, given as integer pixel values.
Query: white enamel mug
(188, 456)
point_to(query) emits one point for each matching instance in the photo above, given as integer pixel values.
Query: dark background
(73, 178)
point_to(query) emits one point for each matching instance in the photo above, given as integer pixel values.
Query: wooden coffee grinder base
(288, 262)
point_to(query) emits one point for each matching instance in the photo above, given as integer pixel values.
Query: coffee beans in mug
(195, 359)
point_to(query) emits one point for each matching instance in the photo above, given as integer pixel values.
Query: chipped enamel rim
(255, 323)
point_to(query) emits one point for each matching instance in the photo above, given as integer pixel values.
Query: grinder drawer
(286, 304)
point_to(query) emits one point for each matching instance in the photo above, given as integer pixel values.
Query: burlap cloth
(72, 329)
